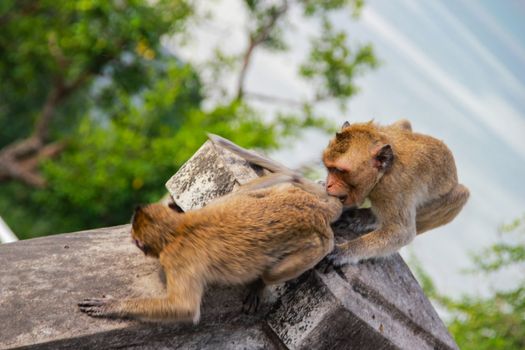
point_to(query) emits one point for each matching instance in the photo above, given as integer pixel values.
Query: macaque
(271, 230)
(409, 178)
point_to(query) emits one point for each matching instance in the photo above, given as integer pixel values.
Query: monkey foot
(325, 266)
(251, 303)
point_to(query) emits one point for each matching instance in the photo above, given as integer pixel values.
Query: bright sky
(456, 70)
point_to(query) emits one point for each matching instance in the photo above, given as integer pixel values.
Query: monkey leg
(295, 264)
(290, 267)
(442, 210)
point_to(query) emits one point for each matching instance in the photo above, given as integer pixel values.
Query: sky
(456, 70)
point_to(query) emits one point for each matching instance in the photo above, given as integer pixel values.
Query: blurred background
(102, 101)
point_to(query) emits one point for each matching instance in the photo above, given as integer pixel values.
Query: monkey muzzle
(140, 245)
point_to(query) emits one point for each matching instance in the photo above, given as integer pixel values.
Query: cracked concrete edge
(328, 311)
(340, 308)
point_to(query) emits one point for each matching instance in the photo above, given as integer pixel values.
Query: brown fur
(410, 178)
(271, 229)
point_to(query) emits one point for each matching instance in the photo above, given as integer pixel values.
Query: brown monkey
(271, 230)
(410, 179)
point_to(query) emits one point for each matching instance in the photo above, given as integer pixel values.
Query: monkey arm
(396, 231)
(382, 242)
(182, 303)
(144, 309)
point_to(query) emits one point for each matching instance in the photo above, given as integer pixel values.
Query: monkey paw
(251, 303)
(335, 258)
(97, 307)
(339, 257)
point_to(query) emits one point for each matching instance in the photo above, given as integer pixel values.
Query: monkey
(269, 231)
(410, 179)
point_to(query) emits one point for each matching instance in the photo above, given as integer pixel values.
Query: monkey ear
(139, 212)
(384, 158)
(338, 134)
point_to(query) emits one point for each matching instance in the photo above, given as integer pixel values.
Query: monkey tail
(252, 157)
(271, 165)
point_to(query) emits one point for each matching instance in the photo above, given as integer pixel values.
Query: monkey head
(152, 227)
(356, 159)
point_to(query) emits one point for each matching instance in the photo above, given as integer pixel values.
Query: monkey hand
(340, 256)
(99, 307)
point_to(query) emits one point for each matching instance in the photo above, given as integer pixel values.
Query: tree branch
(272, 99)
(256, 40)
(18, 160)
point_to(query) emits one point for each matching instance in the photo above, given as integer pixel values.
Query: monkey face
(136, 233)
(356, 159)
(153, 226)
(351, 188)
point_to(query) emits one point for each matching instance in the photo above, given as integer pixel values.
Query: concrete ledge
(374, 305)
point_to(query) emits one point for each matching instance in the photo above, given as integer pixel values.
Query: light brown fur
(272, 229)
(410, 178)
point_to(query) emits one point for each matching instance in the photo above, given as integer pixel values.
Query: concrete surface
(376, 304)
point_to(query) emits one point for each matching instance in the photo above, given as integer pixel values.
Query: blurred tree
(95, 114)
(498, 321)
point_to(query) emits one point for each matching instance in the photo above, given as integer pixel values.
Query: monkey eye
(337, 170)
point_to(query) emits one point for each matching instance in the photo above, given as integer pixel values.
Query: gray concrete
(373, 305)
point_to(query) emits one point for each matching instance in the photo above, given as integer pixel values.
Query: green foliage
(504, 254)
(103, 56)
(332, 65)
(128, 112)
(316, 7)
(495, 322)
(69, 42)
(265, 27)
